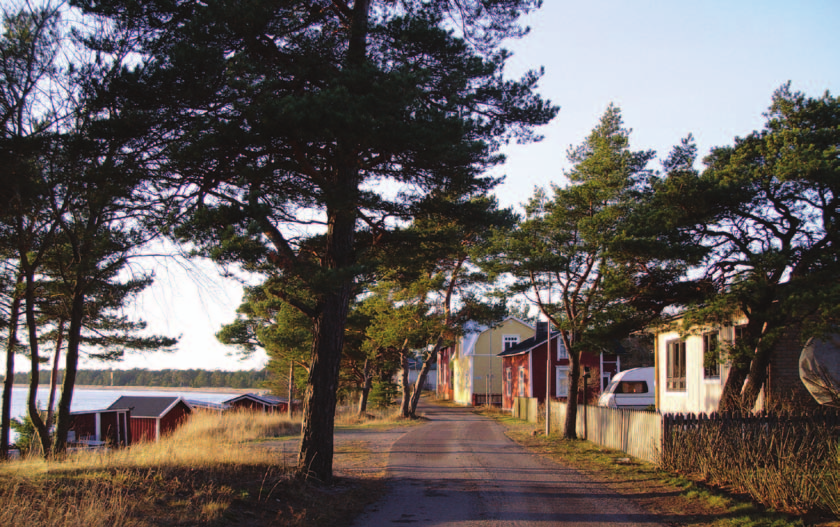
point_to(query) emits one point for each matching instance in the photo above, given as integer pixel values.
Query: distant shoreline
(159, 388)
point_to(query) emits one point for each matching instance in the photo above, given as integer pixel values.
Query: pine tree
(286, 123)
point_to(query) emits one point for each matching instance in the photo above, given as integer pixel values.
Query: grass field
(215, 470)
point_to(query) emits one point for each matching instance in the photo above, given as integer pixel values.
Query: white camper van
(630, 389)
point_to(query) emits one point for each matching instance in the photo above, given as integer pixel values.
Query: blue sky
(706, 67)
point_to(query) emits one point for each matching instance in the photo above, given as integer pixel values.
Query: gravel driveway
(459, 469)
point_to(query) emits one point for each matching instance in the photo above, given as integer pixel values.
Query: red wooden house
(152, 417)
(100, 427)
(524, 369)
(260, 403)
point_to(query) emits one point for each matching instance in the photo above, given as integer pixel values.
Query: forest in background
(162, 378)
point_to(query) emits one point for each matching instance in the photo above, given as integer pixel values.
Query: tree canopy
(764, 211)
(297, 134)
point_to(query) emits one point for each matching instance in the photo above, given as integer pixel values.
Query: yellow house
(475, 369)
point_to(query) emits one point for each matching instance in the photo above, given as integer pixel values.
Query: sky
(708, 68)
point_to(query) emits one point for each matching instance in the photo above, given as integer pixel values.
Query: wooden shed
(152, 417)
(259, 403)
(100, 427)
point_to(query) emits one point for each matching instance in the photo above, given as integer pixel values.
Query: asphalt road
(459, 469)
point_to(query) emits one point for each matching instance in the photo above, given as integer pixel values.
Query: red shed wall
(108, 427)
(174, 418)
(143, 429)
(84, 425)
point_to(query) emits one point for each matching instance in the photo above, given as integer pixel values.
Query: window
(711, 356)
(509, 382)
(522, 381)
(740, 332)
(561, 350)
(509, 341)
(562, 381)
(675, 369)
(632, 387)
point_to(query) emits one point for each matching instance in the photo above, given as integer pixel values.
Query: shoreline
(208, 389)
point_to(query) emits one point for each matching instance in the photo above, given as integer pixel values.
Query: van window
(632, 387)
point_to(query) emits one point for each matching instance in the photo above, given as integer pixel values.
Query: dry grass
(214, 470)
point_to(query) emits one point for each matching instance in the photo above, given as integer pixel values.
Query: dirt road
(459, 469)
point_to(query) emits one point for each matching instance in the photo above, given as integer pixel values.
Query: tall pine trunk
(71, 363)
(9, 382)
(747, 375)
(35, 363)
(316, 443)
(289, 409)
(570, 426)
(59, 341)
(421, 377)
(366, 385)
(404, 384)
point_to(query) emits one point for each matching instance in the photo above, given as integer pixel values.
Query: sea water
(87, 399)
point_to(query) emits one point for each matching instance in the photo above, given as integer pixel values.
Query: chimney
(542, 331)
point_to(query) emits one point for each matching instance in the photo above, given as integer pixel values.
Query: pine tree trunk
(368, 381)
(316, 444)
(421, 377)
(71, 363)
(289, 409)
(570, 426)
(406, 387)
(341, 195)
(9, 382)
(35, 363)
(59, 341)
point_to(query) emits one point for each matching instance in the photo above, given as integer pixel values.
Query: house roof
(147, 406)
(268, 400)
(527, 345)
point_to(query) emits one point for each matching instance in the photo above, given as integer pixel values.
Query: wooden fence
(638, 433)
(482, 399)
(526, 408)
(643, 434)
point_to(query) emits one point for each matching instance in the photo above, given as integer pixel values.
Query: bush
(785, 462)
(382, 394)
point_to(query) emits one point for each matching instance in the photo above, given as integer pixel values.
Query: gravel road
(459, 469)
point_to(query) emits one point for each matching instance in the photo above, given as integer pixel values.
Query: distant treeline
(163, 378)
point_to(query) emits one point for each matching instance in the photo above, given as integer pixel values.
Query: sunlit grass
(215, 469)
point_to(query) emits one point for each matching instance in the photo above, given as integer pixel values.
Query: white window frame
(562, 353)
(561, 378)
(509, 381)
(521, 386)
(673, 381)
(708, 373)
(513, 340)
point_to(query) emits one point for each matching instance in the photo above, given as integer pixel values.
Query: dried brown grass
(214, 470)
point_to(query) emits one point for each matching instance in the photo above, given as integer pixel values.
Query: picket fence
(642, 434)
(638, 433)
